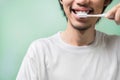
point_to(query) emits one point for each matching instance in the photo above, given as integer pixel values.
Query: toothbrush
(85, 15)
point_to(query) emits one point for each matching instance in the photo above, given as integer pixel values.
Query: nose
(82, 2)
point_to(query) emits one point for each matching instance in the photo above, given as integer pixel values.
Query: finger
(111, 13)
(117, 16)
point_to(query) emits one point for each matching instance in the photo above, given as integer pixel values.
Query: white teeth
(82, 14)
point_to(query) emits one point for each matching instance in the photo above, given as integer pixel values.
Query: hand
(114, 14)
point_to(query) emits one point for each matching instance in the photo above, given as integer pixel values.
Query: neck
(77, 37)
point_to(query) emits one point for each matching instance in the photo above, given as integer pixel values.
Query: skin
(115, 13)
(81, 31)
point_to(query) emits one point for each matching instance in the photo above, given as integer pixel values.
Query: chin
(83, 28)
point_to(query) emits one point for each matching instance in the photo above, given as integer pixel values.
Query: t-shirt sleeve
(118, 55)
(33, 66)
(118, 47)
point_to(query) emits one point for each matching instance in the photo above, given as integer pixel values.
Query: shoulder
(109, 37)
(44, 42)
(39, 48)
(110, 41)
(42, 45)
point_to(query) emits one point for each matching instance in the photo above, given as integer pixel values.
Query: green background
(23, 21)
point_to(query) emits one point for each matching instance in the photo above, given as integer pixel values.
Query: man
(78, 53)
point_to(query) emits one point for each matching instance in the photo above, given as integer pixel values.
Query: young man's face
(72, 7)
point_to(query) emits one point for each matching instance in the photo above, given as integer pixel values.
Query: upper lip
(83, 9)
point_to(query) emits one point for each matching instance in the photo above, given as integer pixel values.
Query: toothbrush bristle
(82, 14)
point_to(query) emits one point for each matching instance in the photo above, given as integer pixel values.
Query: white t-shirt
(52, 59)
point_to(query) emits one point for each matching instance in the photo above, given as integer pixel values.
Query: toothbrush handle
(96, 15)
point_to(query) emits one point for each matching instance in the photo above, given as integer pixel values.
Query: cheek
(98, 7)
(67, 2)
(66, 5)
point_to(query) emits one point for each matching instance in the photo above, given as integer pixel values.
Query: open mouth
(83, 11)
